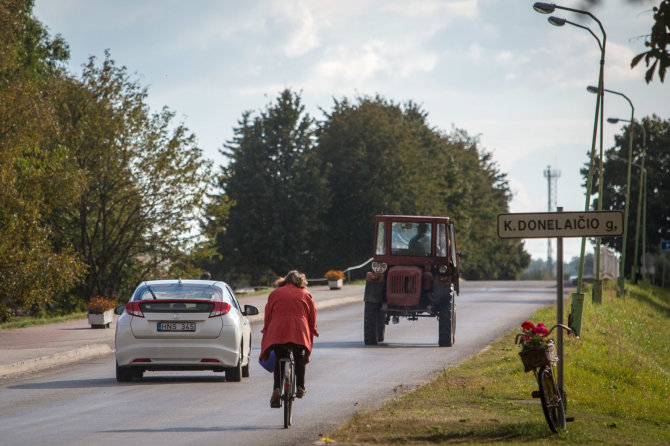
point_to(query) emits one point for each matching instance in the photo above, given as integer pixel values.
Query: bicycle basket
(539, 356)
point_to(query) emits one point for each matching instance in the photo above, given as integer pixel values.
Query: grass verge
(617, 379)
(22, 322)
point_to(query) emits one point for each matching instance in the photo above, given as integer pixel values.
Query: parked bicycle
(542, 360)
(287, 370)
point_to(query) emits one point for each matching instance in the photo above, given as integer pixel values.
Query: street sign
(561, 224)
(665, 245)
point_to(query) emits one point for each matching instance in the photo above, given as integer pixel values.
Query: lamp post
(622, 278)
(643, 185)
(548, 8)
(574, 321)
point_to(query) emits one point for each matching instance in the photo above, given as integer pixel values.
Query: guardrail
(346, 271)
(351, 268)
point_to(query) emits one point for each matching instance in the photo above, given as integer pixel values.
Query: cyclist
(290, 322)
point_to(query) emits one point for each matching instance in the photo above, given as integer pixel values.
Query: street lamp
(548, 8)
(643, 184)
(578, 297)
(622, 279)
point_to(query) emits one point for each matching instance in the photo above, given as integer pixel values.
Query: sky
(494, 68)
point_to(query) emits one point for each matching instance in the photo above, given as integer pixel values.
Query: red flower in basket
(533, 336)
(527, 325)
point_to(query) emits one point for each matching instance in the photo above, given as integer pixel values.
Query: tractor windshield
(411, 238)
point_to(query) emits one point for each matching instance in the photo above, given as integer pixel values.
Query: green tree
(270, 194)
(658, 39)
(657, 165)
(36, 179)
(144, 179)
(658, 54)
(366, 150)
(381, 157)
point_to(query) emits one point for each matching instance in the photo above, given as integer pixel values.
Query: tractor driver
(420, 243)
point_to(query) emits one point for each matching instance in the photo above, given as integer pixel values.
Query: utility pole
(552, 176)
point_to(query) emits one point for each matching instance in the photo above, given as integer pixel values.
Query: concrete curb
(320, 305)
(89, 351)
(44, 362)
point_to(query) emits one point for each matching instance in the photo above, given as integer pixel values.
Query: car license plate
(176, 326)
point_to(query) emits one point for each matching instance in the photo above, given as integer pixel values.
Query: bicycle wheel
(552, 404)
(287, 394)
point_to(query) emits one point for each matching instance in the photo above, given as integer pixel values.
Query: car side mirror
(250, 310)
(120, 309)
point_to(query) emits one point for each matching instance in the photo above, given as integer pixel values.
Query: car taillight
(133, 309)
(220, 308)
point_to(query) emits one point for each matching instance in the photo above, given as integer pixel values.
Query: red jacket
(290, 316)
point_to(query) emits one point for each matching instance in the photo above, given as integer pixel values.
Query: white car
(183, 325)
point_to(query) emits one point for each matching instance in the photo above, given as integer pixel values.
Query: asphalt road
(82, 404)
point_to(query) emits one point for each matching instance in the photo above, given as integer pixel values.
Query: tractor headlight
(379, 267)
(443, 269)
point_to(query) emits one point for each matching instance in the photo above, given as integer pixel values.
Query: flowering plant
(533, 336)
(99, 304)
(334, 274)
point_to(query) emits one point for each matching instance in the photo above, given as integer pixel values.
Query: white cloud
(476, 52)
(353, 65)
(304, 38)
(414, 63)
(505, 56)
(445, 10)
(617, 65)
(521, 201)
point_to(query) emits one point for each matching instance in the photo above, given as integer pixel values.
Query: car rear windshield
(178, 291)
(156, 306)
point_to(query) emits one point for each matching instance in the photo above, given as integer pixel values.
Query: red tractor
(414, 274)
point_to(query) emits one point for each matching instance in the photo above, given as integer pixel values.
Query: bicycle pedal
(535, 394)
(569, 419)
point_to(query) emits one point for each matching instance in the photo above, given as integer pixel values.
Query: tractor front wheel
(371, 324)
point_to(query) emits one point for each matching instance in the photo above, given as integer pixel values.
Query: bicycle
(287, 368)
(542, 362)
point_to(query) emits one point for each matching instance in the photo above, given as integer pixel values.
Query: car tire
(370, 321)
(124, 374)
(447, 322)
(234, 374)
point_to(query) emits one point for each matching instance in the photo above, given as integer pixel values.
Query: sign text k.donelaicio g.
(561, 224)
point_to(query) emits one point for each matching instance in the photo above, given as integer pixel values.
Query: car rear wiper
(152, 293)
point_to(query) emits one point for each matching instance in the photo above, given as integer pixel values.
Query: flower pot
(335, 284)
(103, 320)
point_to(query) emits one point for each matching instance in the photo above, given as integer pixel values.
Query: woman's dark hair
(293, 277)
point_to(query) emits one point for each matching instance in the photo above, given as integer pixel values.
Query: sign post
(559, 225)
(559, 306)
